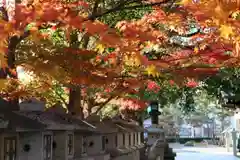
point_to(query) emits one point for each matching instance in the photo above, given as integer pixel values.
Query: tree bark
(74, 106)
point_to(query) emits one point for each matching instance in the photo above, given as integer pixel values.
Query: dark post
(154, 113)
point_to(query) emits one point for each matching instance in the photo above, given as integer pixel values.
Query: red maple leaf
(171, 82)
(191, 84)
(153, 86)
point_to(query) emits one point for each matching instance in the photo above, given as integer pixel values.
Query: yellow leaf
(196, 50)
(157, 74)
(2, 83)
(202, 46)
(184, 2)
(235, 14)
(226, 31)
(100, 48)
(152, 71)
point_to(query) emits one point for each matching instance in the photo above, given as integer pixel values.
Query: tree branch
(95, 7)
(105, 102)
(102, 104)
(95, 15)
(170, 7)
(144, 5)
(121, 7)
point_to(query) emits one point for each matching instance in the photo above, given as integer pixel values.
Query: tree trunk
(74, 104)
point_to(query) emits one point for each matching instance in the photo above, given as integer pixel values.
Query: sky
(22, 75)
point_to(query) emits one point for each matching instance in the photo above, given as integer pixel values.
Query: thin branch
(95, 15)
(170, 7)
(145, 5)
(95, 7)
(121, 7)
(104, 103)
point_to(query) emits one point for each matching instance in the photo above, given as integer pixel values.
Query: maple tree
(67, 42)
(44, 46)
(214, 41)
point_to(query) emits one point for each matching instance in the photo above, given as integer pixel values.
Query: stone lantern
(158, 147)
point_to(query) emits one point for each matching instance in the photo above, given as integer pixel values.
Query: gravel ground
(202, 153)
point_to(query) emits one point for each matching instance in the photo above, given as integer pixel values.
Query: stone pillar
(227, 142)
(234, 139)
(203, 131)
(192, 132)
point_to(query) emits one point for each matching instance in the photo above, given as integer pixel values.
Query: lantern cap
(153, 103)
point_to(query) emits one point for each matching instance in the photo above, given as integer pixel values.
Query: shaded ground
(202, 153)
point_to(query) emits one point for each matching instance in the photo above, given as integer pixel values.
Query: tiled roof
(129, 126)
(114, 126)
(61, 111)
(16, 121)
(56, 121)
(105, 127)
(20, 122)
(102, 127)
(83, 124)
(108, 125)
(5, 105)
(41, 119)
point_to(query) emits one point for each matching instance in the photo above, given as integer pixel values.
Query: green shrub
(190, 143)
(197, 140)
